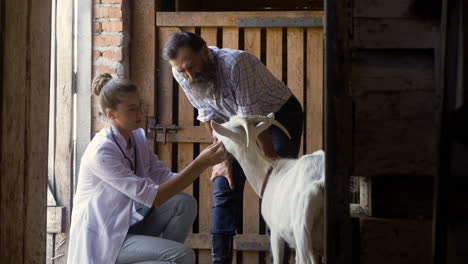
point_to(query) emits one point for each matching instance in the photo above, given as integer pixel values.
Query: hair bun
(99, 82)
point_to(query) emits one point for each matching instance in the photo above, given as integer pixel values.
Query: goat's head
(242, 132)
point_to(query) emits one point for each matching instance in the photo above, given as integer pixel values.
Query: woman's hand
(213, 154)
(223, 169)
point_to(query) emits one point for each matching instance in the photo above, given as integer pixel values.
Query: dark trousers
(227, 203)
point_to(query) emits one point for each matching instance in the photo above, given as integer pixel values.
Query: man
(222, 83)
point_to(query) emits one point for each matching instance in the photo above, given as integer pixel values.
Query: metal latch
(158, 127)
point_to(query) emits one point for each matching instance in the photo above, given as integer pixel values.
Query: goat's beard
(204, 84)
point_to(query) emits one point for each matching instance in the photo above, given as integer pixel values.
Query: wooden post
(24, 80)
(209, 34)
(251, 215)
(63, 122)
(314, 91)
(337, 133)
(448, 59)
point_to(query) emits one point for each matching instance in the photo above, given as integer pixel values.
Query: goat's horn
(243, 122)
(255, 119)
(278, 124)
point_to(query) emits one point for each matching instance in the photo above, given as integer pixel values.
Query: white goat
(292, 189)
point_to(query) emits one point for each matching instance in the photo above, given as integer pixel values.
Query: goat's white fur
(292, 203)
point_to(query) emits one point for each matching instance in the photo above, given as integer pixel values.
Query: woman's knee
(187, 256)
(187, 203)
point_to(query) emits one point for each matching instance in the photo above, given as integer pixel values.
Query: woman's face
(129, 114)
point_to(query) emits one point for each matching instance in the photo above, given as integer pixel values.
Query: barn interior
(381, 84)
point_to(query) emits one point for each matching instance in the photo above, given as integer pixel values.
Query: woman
(128, 207)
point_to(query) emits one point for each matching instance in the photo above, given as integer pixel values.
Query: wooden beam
(393, 33)
(37, 128)
(83, 80)
(242, 242)
(64, 120)
(185, 134)
(223, 19)
(14, 135)
(24, 81)
(337, 133)
(448, 73)
(144, 51)
(251, 206)
(314, 90)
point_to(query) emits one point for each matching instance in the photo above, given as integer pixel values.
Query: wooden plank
(37, 123)
(389, 121)
(186, 134)
(337, 134)
(251, 215)
(392, 71)
(205, 203)
(165, 94)
(449, 65)
(83, 79)
(64, 103)
(314, 90)
(392, 34)
(143, 51)
(296, 68)
(224, 19)
(383, 9)
(274, 51)
(231, 37)
(185, 151)
(14, 105)
(242, 242)
(205, 185)
(395, 241)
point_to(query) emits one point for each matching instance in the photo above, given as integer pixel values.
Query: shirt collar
(121, 140)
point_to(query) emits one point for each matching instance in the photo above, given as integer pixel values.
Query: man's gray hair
(180, 40)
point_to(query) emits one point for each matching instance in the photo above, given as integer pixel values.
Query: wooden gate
(291, 46)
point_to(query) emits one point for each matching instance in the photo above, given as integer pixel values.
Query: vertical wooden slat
(231, 37)
(337, 133)
(274, 63)
(36, 139)
(63, 121)
(50, 240)
(206, 187)
(251, 216)
(314, 90)
(296, 67)
(186, 119)
(274, 54)
(14, 92)
(164, 96)
(143, 59)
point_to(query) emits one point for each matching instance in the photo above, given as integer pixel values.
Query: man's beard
(204, 84)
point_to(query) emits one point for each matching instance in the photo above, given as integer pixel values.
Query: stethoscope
(133, 166)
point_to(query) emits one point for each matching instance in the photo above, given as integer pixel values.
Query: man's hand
(223, 169)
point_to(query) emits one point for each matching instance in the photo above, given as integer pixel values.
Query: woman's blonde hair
(111, 90)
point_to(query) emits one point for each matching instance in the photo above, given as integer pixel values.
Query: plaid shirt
(244, 87)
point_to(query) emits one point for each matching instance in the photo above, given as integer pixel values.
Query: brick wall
(110, 46)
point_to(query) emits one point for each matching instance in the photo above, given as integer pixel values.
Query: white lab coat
(107, 187)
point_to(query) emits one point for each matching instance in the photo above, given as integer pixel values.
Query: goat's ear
(221, 130)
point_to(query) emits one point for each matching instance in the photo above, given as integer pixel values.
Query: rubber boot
(221, 249)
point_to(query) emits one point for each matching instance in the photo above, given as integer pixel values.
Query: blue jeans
(227, 203)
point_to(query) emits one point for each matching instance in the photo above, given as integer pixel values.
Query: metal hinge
(153, 128)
